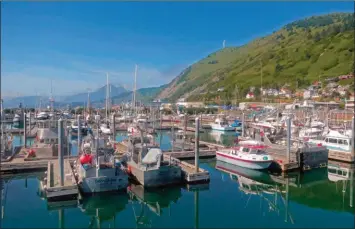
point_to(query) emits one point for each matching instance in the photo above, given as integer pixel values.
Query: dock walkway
(54, 191)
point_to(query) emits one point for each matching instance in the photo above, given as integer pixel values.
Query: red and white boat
(249, 156)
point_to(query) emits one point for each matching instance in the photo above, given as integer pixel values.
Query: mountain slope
(300, 52)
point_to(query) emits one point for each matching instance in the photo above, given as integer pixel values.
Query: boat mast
(107, 91)
(134, 90)
(51, 99)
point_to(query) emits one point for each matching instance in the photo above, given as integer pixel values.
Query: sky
(74, 44)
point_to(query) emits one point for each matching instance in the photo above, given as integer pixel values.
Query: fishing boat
(105, 129)
(248, 156)
(222, 125)
(334, 141)
(98, 170)
(310, 132)
(42, 115)
(74, 128)
(146, 164)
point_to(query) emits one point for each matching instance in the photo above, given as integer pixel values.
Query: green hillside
(297, 54)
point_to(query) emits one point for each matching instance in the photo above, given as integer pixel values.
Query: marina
(120, 115)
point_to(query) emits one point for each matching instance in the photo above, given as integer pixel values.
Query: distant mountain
(144, 95)
(97, 98)
(99, 94)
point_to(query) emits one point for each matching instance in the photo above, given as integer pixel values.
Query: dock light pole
(24, 130)
(61, 151)
(288, 152)
(79, 134)
(197, 144)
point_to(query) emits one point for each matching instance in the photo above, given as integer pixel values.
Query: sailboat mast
(107, 91)
(135, 88)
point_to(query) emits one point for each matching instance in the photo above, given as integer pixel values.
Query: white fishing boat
(105, 129)
(248, 156)
(42, 115)
(98, 170)
(222, 125)
(334, 141)
(310, 133)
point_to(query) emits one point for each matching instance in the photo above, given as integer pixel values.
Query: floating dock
(54, 191)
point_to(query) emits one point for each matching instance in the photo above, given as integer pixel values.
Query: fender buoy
(129, 170)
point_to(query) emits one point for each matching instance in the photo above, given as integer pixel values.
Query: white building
(350, 103)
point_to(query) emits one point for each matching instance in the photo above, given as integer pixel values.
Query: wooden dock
(54, 191)
(341, 156)
(189, 171)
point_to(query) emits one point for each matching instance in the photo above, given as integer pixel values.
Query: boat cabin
(221, 122)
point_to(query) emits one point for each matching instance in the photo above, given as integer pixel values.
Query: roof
(334, 133)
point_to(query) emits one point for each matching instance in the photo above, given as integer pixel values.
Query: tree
(317, 37)
(257, 92)
(278, 68)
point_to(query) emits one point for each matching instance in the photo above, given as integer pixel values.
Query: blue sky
(75, 43)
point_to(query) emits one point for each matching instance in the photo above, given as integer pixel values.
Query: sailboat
(105, 127)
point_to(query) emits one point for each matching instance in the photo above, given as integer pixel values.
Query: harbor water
(235, 197)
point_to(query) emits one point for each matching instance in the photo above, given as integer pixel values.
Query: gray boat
(146, 165)
(98, 170)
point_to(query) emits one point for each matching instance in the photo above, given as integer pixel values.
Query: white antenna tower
(224, 43)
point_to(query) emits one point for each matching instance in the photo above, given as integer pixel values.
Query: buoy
(129, 169)
(85, 159)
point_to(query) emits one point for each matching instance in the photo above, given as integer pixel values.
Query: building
(190, 104)
(349, 103)
(250, 95)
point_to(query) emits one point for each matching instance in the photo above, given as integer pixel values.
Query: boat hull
(164, 175)
(221, 128)
(258, 165)
(104, 184)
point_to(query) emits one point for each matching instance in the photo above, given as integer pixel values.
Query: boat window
(333, 140)
(345, 142)
(245, 186)
(340, 141)
(331, 170)
(326, 140)
(340, 172)
(245, 150)
(345, 173)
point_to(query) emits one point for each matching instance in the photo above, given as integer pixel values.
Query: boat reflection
(258, 183)
(103, 207)
(342, 175)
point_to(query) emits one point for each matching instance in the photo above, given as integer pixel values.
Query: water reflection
(259, 184)
(219, 137)
(103, 208)
(343, 176)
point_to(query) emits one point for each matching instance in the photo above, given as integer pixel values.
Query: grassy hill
(297, 54)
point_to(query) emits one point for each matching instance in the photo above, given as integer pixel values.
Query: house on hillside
(344, 77)
(307, 94)
(250, 95)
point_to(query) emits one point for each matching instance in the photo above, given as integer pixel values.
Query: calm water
(235, 197)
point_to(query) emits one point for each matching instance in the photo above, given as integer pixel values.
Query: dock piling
(79, 134)
(288, 152)
(352, 137)
(197, 144)
(61, 152)
(24, 130)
